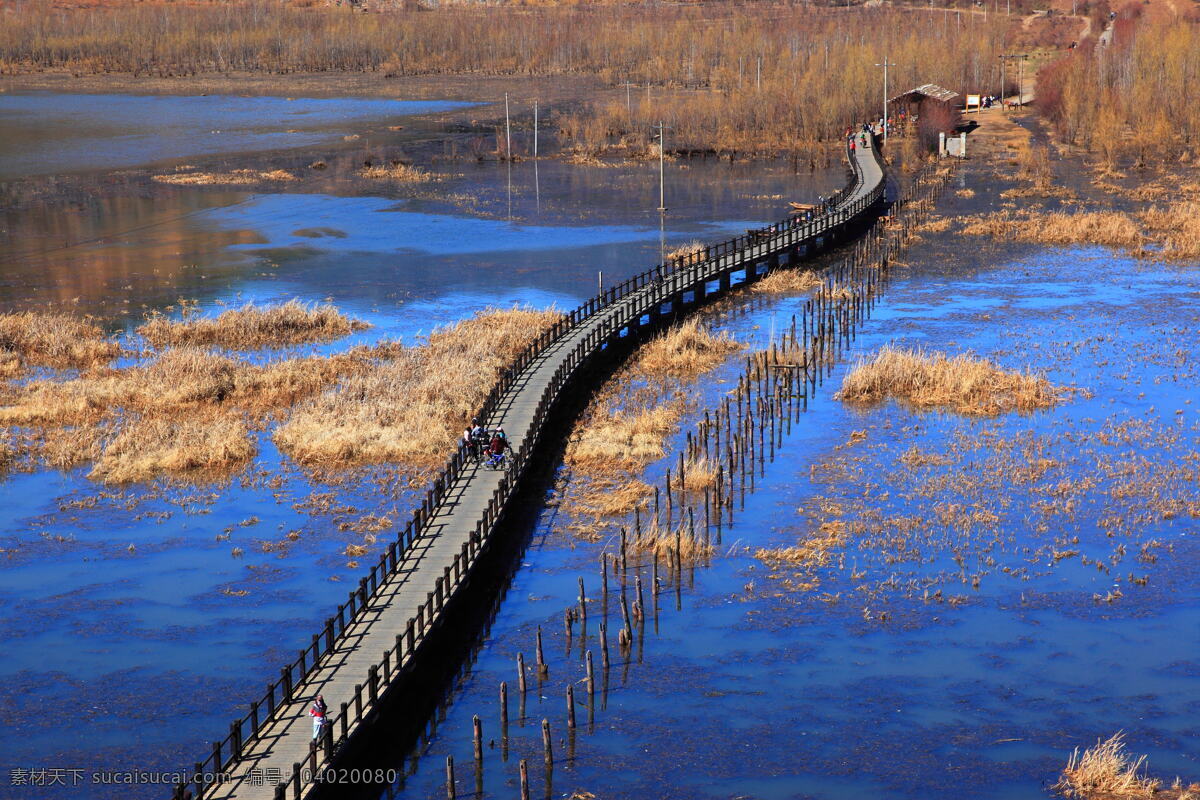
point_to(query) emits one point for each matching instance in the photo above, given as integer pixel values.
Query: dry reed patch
(699, 474)
(144, 448)
(238, 177)
(397, 173)
(178, 380)
(815, 550)
(689, 253)
(600, 497)
(686, 351)
(665, 541)
(10, 365)
(1106, 771)
(934, 225)
(1177, 226)
(254, 326)
(413, 408)
(1111, 228)
(965, 383)
(69, 447)
(52, 340)
(610, 440)
(788, 281)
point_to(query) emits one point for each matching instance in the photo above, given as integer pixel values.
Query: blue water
(756, 689)
(47, 133)
(134, 630)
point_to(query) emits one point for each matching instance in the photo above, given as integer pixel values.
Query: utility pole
(507, 131)
(1020, 58)
(662, 149)
(885, 66)
(628, 99)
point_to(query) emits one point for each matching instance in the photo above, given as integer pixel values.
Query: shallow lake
(47, 133)
(1006, 589)
(139, 619)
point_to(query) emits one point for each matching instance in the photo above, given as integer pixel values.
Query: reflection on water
(118, 256)
(47, 133)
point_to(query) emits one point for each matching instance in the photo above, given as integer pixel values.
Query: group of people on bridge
(489, 447)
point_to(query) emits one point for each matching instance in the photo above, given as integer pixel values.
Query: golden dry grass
(814, 550)
(788, 281)
(396, 173)
(180, 379)
(238, 177)
(1177, 227)
(1111, 228)
(598, 498)
(664, 540)
(964, 383)
(699, 474)
(686, 351)
(143, 448)
(51, 340)
(624, 439)
(413, 408)
(253, 326)
(688, 253)
(1106, 771)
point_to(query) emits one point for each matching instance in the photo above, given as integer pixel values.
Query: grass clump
(146, 447)
(396, 173)
(692, 252)
(180, 380)
(238, 177)
(413, 408)
(1111, 228)
(815, 550)
(670, 540)
(51, 340)
(254, 326)
(788, 281)
(614, 439)
(1177, 226)
(964, 383)
(686, 351)
(1106, 771)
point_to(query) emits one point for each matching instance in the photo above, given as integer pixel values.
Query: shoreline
(558, 89)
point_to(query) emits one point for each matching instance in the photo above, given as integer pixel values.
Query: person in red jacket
(318, 712)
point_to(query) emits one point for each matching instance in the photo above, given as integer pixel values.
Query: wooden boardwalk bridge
(375, 636)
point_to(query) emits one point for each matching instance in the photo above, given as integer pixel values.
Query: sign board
(974, 101)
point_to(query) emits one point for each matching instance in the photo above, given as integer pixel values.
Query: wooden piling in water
(503, 709)
(571, 706)
(542, 667)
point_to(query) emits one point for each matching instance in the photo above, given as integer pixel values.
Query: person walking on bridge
(319, 712)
